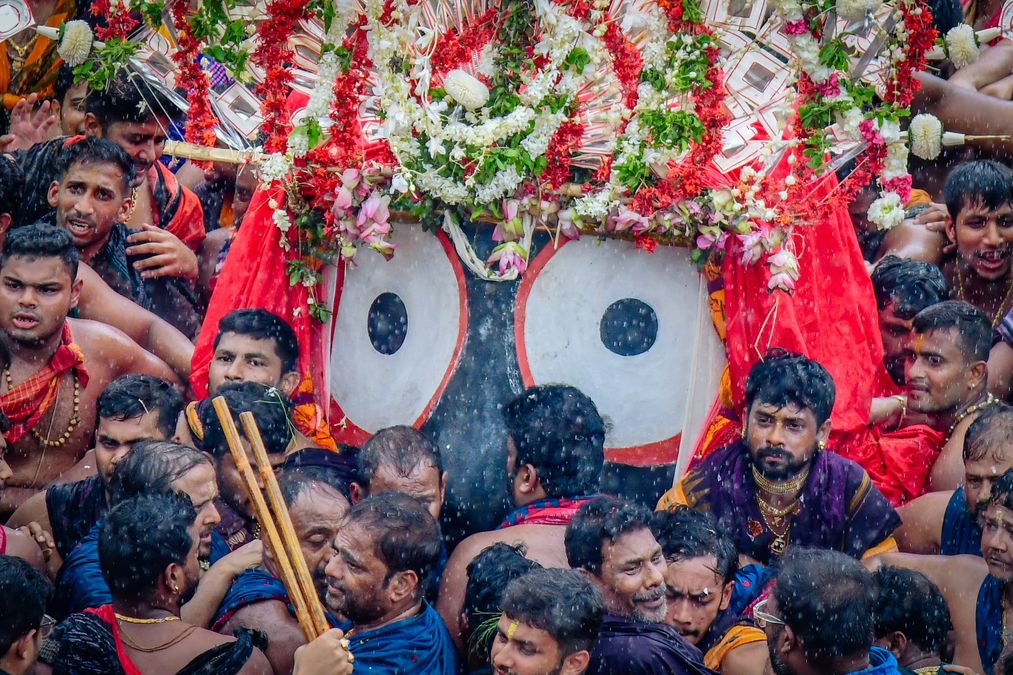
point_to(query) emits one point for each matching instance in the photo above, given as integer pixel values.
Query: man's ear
(951, 229)
(54, 191)
(289, 382)
(576, 663)
(75, 292)
(25, 645)
(92, 126)
(403, 585)
(726, 595)
(895, 642)
(529, 478)
(979, 374)
(125, 206)
(823, 435)
(357, 492)
(443, 488)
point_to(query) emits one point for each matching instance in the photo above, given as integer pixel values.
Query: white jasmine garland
(322, 95)
(538, 140)
(895, 165)
(75, 45)
(275, 166)
(887, 211)
(503, 183)
(926, 135)
(298, 142)
(962, 46)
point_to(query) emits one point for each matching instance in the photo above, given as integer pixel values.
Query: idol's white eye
(399, 327)
(622, 326)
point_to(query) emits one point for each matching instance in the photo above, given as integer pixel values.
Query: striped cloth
(26, 403)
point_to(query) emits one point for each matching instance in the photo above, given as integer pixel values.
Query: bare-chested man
(979, 593)
(56, 367)
(946, 375)
(555, 453)
(948, 523)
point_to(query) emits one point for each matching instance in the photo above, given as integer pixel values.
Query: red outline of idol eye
(665, 451)
(351, 433)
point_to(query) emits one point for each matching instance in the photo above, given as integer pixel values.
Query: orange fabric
(309, 418)
(918, 198)
(38, 74)
(186, 220)
(888, 545)
(26, 403)
(737, 636)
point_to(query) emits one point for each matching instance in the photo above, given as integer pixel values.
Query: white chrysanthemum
(75, 45)
(962, 46)
(274, 167)
(926, 135)
(856, 10)
(465, 89)
(887, 211)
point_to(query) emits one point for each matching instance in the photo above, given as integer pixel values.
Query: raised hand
(169, 257)
(29, 124)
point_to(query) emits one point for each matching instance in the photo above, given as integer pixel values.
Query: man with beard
(549, 624)
(258, 599)
(780, 485)
(948, 523)
(903, 288)
(56, 366)
(272, 410)
(947, 378)
(978, 593)
(555, 452)
(132, 408)
(700, 579)
(149, 554)
(820, 617)
(91, 195)
(610, 541)
(383, 554)
(254, 345)
(159, 467)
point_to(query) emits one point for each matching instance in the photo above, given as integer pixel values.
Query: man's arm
(113, 349)
(21, 545)
(994, 64)
(1000, 371)
(922, 527)
(217, 581)
(99, 302)
(455, 582)
(33, 510)
(967, 111)
(283, 633)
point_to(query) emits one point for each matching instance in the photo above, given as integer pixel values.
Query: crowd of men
(132, 544)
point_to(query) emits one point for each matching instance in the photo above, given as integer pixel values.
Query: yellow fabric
(918, 198)
(193, 421)
(673, 498)
(888, 545)
(737, 636)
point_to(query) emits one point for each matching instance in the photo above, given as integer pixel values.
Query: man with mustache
(550, 621)
(149, 555)
(384, 551)
(780, 484)
(91, 194)
(948, 523)
(258, 599)
(947, 378)
(610, 541)
(55, 367)
(701, 578)
(978, 593)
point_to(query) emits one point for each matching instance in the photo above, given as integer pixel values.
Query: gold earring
(820, 445)
(175, 588)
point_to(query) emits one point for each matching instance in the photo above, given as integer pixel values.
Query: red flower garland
(918, 23)
(559, 154)
(200, 120)
(275, 56)
(119, 23)
(453, 48)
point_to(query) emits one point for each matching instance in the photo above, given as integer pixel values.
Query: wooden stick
(284, 521)
(264, 518)
(203, 153)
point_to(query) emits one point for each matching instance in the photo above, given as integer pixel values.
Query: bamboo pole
(288, 577)
(203, 153)
(288, 537)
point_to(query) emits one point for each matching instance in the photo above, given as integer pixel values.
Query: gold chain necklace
(187, 632)
(971, 409)
(1000, 314)
(21, 52)
(75, 419)
(788, 487)
(134, 619)
(775, 512)
(133, 206)
(780, 542)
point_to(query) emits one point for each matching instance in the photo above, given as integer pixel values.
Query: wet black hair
(295, 482)
(64, 81)
(132, 396)
(911, 285)
(122, 101)
(829, 600)
(990, 433)
(271, 408)
(94, 150)
(685, 533)
(260, 324)
(911, 604)
(600, 520)
(151, 467)
(27, 593)
(563, 603)
(405, 536)
(489, 573)
(974, 330)
(557, 429)
(12, 188)
(41, 240)
(140, 537)
(782, 378)
(981, 181)
(403, 448)
(1002, 491)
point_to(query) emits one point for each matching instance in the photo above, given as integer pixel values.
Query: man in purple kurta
(779, 485)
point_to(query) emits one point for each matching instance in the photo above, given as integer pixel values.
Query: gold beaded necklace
(788, 487)
(1002, 305)
(971, 409)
